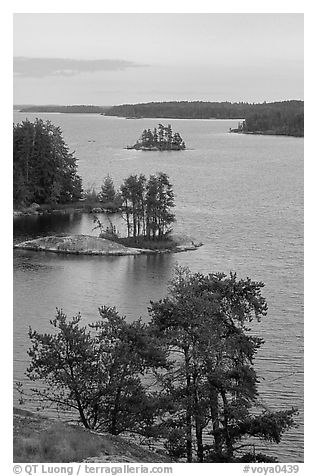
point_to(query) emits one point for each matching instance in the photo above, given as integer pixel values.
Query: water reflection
(28, 227)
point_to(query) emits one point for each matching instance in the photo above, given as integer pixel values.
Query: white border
(163, 6)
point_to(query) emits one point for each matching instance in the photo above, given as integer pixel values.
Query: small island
(146, 210)
(160, 139)
(101, 246)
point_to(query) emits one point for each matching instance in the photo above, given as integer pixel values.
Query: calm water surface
(241, 195)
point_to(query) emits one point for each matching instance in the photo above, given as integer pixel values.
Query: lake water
(241, 195)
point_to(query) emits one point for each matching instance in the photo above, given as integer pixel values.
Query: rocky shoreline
(95, 246)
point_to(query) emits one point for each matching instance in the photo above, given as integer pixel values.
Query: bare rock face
(78, 244)
(93, 245)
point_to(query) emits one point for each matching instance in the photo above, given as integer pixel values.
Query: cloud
(40, 67)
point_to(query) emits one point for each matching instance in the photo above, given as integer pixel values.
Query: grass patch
(43, 440)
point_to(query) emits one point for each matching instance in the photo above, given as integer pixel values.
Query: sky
(115, 58)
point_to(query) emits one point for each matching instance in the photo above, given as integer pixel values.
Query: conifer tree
(147, 204)
(108, 191)
(44, 171)
(96, 372)
(202, 325)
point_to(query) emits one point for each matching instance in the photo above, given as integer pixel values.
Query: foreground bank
(42, 440)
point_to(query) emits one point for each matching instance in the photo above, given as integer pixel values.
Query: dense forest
(44, 171)
(182, 109)
(285, 117)
(277, 121)
(201, 109)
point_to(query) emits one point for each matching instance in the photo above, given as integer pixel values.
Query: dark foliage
(285, 117)
(146, 206)
(44, 171)
(202, 325)
(161, 138)
(96, 372)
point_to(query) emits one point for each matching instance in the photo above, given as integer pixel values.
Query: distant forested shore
(75, 109)
(278, 118)
(281, 118)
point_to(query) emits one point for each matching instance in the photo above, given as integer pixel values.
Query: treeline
(77, 109)
(44, 171)
(199, 109)
(281, 120)
(285, 117)
(185, 379)
(182, 109)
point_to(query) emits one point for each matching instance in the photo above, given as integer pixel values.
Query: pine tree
(96, 373)
(108, 191)
(44, 171)
(160, 134)
(202, 325)
(169, 137)
(165, 201)
(155, 137)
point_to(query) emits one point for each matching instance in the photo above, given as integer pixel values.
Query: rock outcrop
(78, 244)
(92, 245)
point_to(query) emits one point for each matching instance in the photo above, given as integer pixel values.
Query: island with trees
(45, 179)
(146, 210)
(160, 139)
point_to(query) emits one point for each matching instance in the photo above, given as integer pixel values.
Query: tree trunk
(113, 429)
(81, 411)
(214, 408)
(127, 218)
(189, 443)
(199, 418)
(228, 439)
(189, 440)
(134, 220)
(198, 422)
